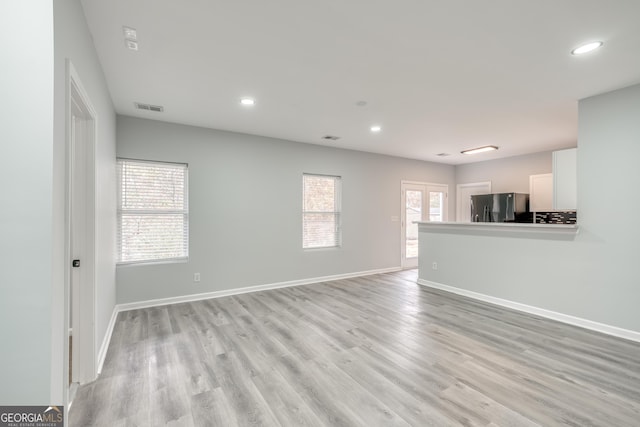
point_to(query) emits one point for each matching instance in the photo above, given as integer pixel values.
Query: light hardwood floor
(373, 351)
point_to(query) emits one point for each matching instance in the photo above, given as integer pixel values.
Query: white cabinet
(565, 180)
(541, 192)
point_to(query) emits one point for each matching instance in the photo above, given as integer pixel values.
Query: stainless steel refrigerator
(500, 207)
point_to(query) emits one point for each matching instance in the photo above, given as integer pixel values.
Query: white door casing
(80, 220)
(463, 198)
(438, 198)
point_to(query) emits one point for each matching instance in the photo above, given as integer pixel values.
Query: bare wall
(26, 111)
(506, 175)
(245, 197)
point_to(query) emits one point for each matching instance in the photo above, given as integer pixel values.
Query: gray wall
(73, 41)
(245, 208)
(593, 277)
(26, 111)
(506, 175)
(32, 221)
(608, 206)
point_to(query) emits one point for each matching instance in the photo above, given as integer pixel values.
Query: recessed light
(376, 128)
(247, 101)
(585, 48)
(480, 149)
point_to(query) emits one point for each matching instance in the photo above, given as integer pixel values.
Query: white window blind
(320, 211)
(153, 213)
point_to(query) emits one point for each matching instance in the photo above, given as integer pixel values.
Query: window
(153, 214)
(320, 211)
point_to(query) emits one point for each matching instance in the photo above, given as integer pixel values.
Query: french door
(420, 202)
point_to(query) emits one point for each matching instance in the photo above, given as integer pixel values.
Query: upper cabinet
(541, 192)
(565, 180)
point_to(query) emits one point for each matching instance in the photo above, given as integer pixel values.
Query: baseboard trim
(102, 354)
(248, 289)
(553, 315)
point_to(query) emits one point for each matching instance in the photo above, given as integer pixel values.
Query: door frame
(444, 188)
(459, 187)
(80, 126)
(426, 186)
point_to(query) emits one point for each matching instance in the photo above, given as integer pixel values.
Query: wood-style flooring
(372, 351)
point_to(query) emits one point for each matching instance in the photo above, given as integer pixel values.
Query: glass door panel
(420, 202)
(436, 206)
(413, 212)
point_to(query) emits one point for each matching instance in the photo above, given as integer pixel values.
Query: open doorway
(421, 201)
(80, 312)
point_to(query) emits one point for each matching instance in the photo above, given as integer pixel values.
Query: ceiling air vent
(331, 137)
(148, 107)
(443, 154)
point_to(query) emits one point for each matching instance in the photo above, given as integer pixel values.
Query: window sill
(156, 262)
(324, 248)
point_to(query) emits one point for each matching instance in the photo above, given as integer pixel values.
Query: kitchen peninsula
(497, 229)
(493, 258)
(510, 264)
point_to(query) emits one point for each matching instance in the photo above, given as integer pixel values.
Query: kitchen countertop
(561, 231)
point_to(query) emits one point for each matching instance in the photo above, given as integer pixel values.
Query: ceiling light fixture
(480, 149)
(376, 128)
(585, 48)
(247, 101)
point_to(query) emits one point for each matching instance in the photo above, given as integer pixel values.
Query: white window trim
(338, 211)
(185, 212)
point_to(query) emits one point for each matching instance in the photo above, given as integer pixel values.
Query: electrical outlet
(434, 266)
(196, 277)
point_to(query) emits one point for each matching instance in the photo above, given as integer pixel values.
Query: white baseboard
(553, 315)
(238, 291)
(102, 354)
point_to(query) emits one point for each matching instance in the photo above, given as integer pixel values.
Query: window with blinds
(153, 213)
(320, 211)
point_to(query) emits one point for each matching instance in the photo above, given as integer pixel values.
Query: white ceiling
(437, 75)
